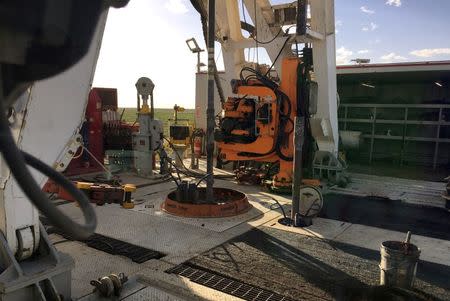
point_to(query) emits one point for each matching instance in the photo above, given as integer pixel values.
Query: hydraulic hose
(191, 173)
(17, 161)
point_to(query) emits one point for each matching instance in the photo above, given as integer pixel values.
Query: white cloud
(431, 52)
(343, 55)
(336, 25)
(392, 57)
(363, 51)
(397, 3)
(364, 9)
(176, 7)
(371, 27)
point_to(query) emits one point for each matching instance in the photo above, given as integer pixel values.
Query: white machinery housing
(150, 135)
(54, 112)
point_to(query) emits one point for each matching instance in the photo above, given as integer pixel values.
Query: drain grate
(225, 284)
(115, 247)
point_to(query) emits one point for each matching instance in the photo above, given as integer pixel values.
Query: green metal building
(396, 114)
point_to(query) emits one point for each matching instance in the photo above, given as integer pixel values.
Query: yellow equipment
(180, 130)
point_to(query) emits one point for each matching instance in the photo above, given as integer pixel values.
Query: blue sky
(147, 38)
(391, 31)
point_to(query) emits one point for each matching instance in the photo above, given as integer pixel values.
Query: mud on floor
(307, 268)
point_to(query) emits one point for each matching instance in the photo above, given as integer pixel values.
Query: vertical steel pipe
(210, 110)
(302, 12)
(299, 136)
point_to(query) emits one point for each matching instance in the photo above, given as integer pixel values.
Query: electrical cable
(61, 241)
(278, 55)
(287, 219)
(202, 179)
(17, 161)
(76, 156)
(311, 207)
(283, 103)
(252, 34)
(121, 115)
(279, 206)
(271, 40)
(174, 179)
(159, 181)
(189, 172)
(108, 172)
(178, 173)
(218, 55)
(56, 216)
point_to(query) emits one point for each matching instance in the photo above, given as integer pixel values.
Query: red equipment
(102, 130)
(198, 146)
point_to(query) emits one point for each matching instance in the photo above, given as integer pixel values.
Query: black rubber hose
(279, 206)
(190, 173)
(278, 55)
(202, 179)
(17, 161)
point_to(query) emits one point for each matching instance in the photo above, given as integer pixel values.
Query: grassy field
(162, 114)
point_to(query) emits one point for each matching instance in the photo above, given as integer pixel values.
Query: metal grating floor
(115, 247)
(226, 285)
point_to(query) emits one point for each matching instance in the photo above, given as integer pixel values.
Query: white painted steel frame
(54, 114)
(321, 35)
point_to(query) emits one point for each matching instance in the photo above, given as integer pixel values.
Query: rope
(108, 172)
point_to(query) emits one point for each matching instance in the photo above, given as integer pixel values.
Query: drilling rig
(257, 120)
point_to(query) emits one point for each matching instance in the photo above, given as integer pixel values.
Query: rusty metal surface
(226, 202)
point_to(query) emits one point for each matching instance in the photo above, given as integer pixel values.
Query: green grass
(162, 114)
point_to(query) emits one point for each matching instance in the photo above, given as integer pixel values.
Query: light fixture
(193, 45)
(367, 85)
(194, 48)
(438, 84)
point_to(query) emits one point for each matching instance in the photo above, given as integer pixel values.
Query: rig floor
(252, 257)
